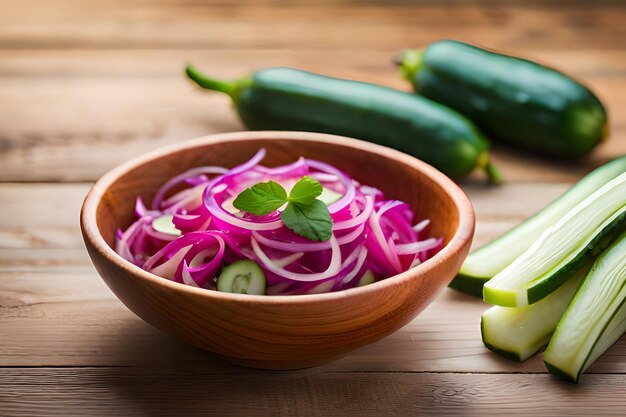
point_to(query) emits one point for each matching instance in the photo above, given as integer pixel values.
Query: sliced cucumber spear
(594, 320)
(242, 277)
(485, 262)
(518, 333)
(563, 249)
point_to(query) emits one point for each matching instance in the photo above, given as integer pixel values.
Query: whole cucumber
(510, 99)
(290, 99)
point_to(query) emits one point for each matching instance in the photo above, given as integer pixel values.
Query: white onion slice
(158, 198)
(288, 260)
(187, 279)
(374, 222)
(416, 247)
(168, 268)
(359, 263)
(421, 225)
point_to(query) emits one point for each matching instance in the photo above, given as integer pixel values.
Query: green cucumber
(510, 99)
(329, 196)
(518, 333)
(242, 277)
(594, 320)
(289, 99)
(367, 279)
(164, 224)
(564, 248)
(485, 262)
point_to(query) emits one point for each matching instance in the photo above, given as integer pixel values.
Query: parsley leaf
(305, 191)
(305, 215)
(311, 221)
(262, 198)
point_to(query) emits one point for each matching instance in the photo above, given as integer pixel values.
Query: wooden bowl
(279, 332)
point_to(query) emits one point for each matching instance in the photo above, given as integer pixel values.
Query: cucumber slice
(242, 277)
(165, 224)
(518, 333)
(575, 240)
(488, 260)
(328, 196)
(594, 320)
(367, 278)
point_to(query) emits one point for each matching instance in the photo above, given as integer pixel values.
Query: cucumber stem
(209, 83)
(494, 174)
(483, 162)
(409, 62)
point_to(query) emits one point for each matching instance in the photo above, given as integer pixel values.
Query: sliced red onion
(226, 217)
(288, 260)
(349, 193)
(197, 180)
(357, 267)
(323, 177)
(191, 201)
(126, 240)
(359, 219)
(388, 205)
(333, 266)
(392, 258)
(415, 247)
(187, 279)
(296, 169)
(168, 268)
(202, 272)
(373, 192)
(376, 234)
(416, 262)
(158, 198)
(142, 211)
(251, 163)
(307, 247)
(421, 225)
(149, 230)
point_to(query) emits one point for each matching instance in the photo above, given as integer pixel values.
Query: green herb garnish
(306, 215)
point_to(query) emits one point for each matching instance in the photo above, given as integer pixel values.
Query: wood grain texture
(327, 24)
(88, 84)
(156, 392)
(76, 86)
(68, 112)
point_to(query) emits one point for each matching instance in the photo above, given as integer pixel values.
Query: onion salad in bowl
(300, 228)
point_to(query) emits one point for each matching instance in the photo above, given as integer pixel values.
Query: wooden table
(85, 85)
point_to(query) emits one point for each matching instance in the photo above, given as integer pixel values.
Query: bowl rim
(91, 233)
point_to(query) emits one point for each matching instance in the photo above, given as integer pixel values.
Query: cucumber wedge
(518, 333)
(563, 249)
(594, 320)
(488, 260)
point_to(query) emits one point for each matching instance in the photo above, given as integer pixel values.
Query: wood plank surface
(71, 110)
(132, 392)
(88, 84)
(77, 85)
